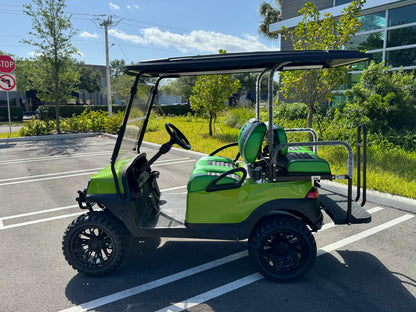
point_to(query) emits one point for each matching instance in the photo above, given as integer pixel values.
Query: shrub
(153, 124)
(93, 121)
(173, 110)
(237, 117)
(85, 122)
(37, 127)
(67, 111)
(383, 100)
(291, 111)
(113, 123)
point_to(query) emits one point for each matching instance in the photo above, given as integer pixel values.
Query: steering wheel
(177, 137)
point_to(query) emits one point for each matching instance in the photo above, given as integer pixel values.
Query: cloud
(114, 7)
(199, 41)
(34, 54)
(129, 7)
(87, 35)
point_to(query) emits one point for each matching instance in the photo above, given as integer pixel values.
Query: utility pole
(106, 23)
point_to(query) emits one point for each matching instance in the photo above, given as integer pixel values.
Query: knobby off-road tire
(282, 248)
(95, 243)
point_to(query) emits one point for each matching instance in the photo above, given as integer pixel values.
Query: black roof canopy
(245, 62)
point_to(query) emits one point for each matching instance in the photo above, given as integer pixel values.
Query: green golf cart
(269, 193)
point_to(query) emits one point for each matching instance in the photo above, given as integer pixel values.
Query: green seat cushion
(305, 162)
(201, 178)
(300, 149)
(280, 138)
(217, 163)
(250, 139)
(206, 169)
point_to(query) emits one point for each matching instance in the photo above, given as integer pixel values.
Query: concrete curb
(49, 137)
(199, 154)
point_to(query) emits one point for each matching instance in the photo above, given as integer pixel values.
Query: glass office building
(388, 31)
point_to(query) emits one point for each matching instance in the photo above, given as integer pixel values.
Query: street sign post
(7, 80)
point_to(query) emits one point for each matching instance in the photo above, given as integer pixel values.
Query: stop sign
(7, 64)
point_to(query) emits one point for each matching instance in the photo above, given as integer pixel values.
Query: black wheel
(177, 137)
(282, 248)
(95, 243)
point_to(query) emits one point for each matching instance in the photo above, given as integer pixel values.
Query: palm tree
(270, 15)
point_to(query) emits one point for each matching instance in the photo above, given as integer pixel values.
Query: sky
(148, 29)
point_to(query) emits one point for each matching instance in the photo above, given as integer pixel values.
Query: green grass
(196, 130)
(389, 170)
(7, 135)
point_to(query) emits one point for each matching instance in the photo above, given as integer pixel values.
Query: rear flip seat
(298, 160)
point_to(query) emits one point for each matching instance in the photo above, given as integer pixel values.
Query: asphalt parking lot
(369, 267)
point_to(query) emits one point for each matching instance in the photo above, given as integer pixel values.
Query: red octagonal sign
(7, 64)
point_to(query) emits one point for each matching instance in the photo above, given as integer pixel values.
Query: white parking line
(174, 188)
(27, 214)
(173, 163)
(58, 174)
(219, 291)
(11, 226)
(361, 235)
(216, 292)
(332, 224)
(69, 174)
(154, 284)
(49, 158)
(173, 160)
(160, 282)
(5, 227)
(30, 180)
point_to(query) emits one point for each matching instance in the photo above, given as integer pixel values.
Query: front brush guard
(82, 200)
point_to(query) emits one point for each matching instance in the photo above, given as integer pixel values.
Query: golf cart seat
(209, 168)
(298, 160)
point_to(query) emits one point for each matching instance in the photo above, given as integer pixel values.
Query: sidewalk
(4, 129)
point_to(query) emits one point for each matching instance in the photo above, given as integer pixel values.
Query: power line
(121, 49)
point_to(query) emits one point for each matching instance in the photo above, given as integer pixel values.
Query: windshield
(135, 123)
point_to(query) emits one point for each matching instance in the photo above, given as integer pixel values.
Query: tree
(90, 78)
(210, 94)
(121, 86)
(247, 85)
(383, 100)
(248, 82)
(24, 74)
(117, 68)
(316, 33)
(270, 15)
(52, 31)
(181, 87)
